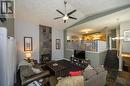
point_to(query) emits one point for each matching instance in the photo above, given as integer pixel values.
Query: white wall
(57, 53)
(123, 44)
(124, 26)
(23, 28)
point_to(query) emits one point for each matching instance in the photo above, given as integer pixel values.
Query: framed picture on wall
(58, 44)
(127, 35)
(28, 44)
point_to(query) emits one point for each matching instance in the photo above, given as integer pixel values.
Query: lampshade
(28, 55)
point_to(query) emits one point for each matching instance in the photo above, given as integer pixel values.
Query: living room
(64, 33)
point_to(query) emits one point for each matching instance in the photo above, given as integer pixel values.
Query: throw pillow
(36, 70)
(89, 67)
(89, 73)
(99, 69)
(75, 73)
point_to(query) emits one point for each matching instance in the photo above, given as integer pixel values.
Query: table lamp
(28, 55)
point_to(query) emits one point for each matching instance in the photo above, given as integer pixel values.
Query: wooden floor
(125, 75)
(122, 78)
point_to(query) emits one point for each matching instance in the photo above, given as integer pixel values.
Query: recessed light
(86, 32)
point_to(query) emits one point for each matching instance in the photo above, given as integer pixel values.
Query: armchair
(35, 77)
(28, 74)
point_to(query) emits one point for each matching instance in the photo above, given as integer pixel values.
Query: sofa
(91, 77)
(95, 77)
(71, 81)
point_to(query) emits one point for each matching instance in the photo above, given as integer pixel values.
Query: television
(79, 54)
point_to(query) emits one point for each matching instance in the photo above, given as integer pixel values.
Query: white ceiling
(44, 11)
(109, 21)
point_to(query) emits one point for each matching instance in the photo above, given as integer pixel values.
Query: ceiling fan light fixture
(65, 17)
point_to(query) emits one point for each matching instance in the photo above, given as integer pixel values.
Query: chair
(35, 77)
(23, 80)
(111, 64)
(111, 60)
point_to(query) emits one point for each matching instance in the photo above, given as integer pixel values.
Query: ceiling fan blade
(64, 21)
(72, 17)
(71, 12)
(57, 18)
(65, 2)
(60, 12)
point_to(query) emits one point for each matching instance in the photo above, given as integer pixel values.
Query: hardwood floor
(122, 79)
(125, 75)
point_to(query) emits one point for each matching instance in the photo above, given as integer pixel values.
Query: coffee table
(57, 69)
(62, 68)
(69, 65)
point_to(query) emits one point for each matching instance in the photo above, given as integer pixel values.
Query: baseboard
(61, 59)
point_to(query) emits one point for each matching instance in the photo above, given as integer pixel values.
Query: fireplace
(45, 58)
(45, 43)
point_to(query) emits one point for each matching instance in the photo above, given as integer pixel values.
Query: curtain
(7, 58)
(11, 51)
(3, 55)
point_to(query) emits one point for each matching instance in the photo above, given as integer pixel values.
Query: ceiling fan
(65, 16)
